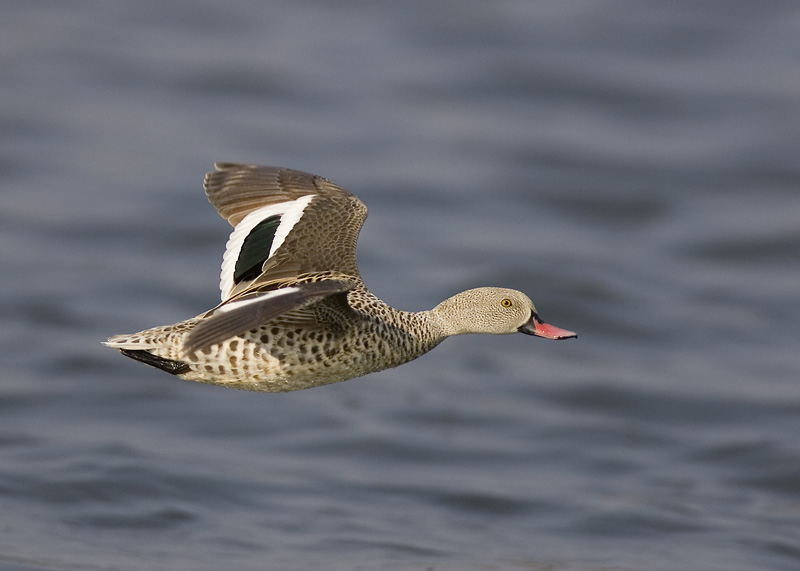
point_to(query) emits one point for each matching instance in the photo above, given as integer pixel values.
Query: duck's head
(494, 310)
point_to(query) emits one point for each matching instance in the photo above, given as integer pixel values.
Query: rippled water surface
(632, 166)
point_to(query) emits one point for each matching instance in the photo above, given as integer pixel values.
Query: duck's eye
(506, 303)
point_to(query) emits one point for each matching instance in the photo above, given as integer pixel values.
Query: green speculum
(255, 250)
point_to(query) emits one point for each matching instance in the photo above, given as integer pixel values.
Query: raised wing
(286, 223)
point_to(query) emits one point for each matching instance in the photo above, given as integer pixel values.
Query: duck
(294, 311)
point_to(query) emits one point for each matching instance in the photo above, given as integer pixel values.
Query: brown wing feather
(252, 310)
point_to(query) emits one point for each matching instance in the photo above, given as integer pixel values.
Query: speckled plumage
(303, 317)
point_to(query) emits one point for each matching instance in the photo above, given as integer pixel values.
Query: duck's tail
(159, 347)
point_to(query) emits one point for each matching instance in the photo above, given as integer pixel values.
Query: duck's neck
(451, 317)
(423, 325)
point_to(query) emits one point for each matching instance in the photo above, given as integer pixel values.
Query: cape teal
(294, 312)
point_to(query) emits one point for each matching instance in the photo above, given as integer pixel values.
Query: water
(633, 166)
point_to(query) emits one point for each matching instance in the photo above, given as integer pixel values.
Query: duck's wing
(260, 305)
(286, 223)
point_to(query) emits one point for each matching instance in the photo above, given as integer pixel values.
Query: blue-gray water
(633, 166)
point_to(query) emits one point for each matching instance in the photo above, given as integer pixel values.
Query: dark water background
(633, 166)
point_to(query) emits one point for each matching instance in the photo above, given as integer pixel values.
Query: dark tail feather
(168, 365)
